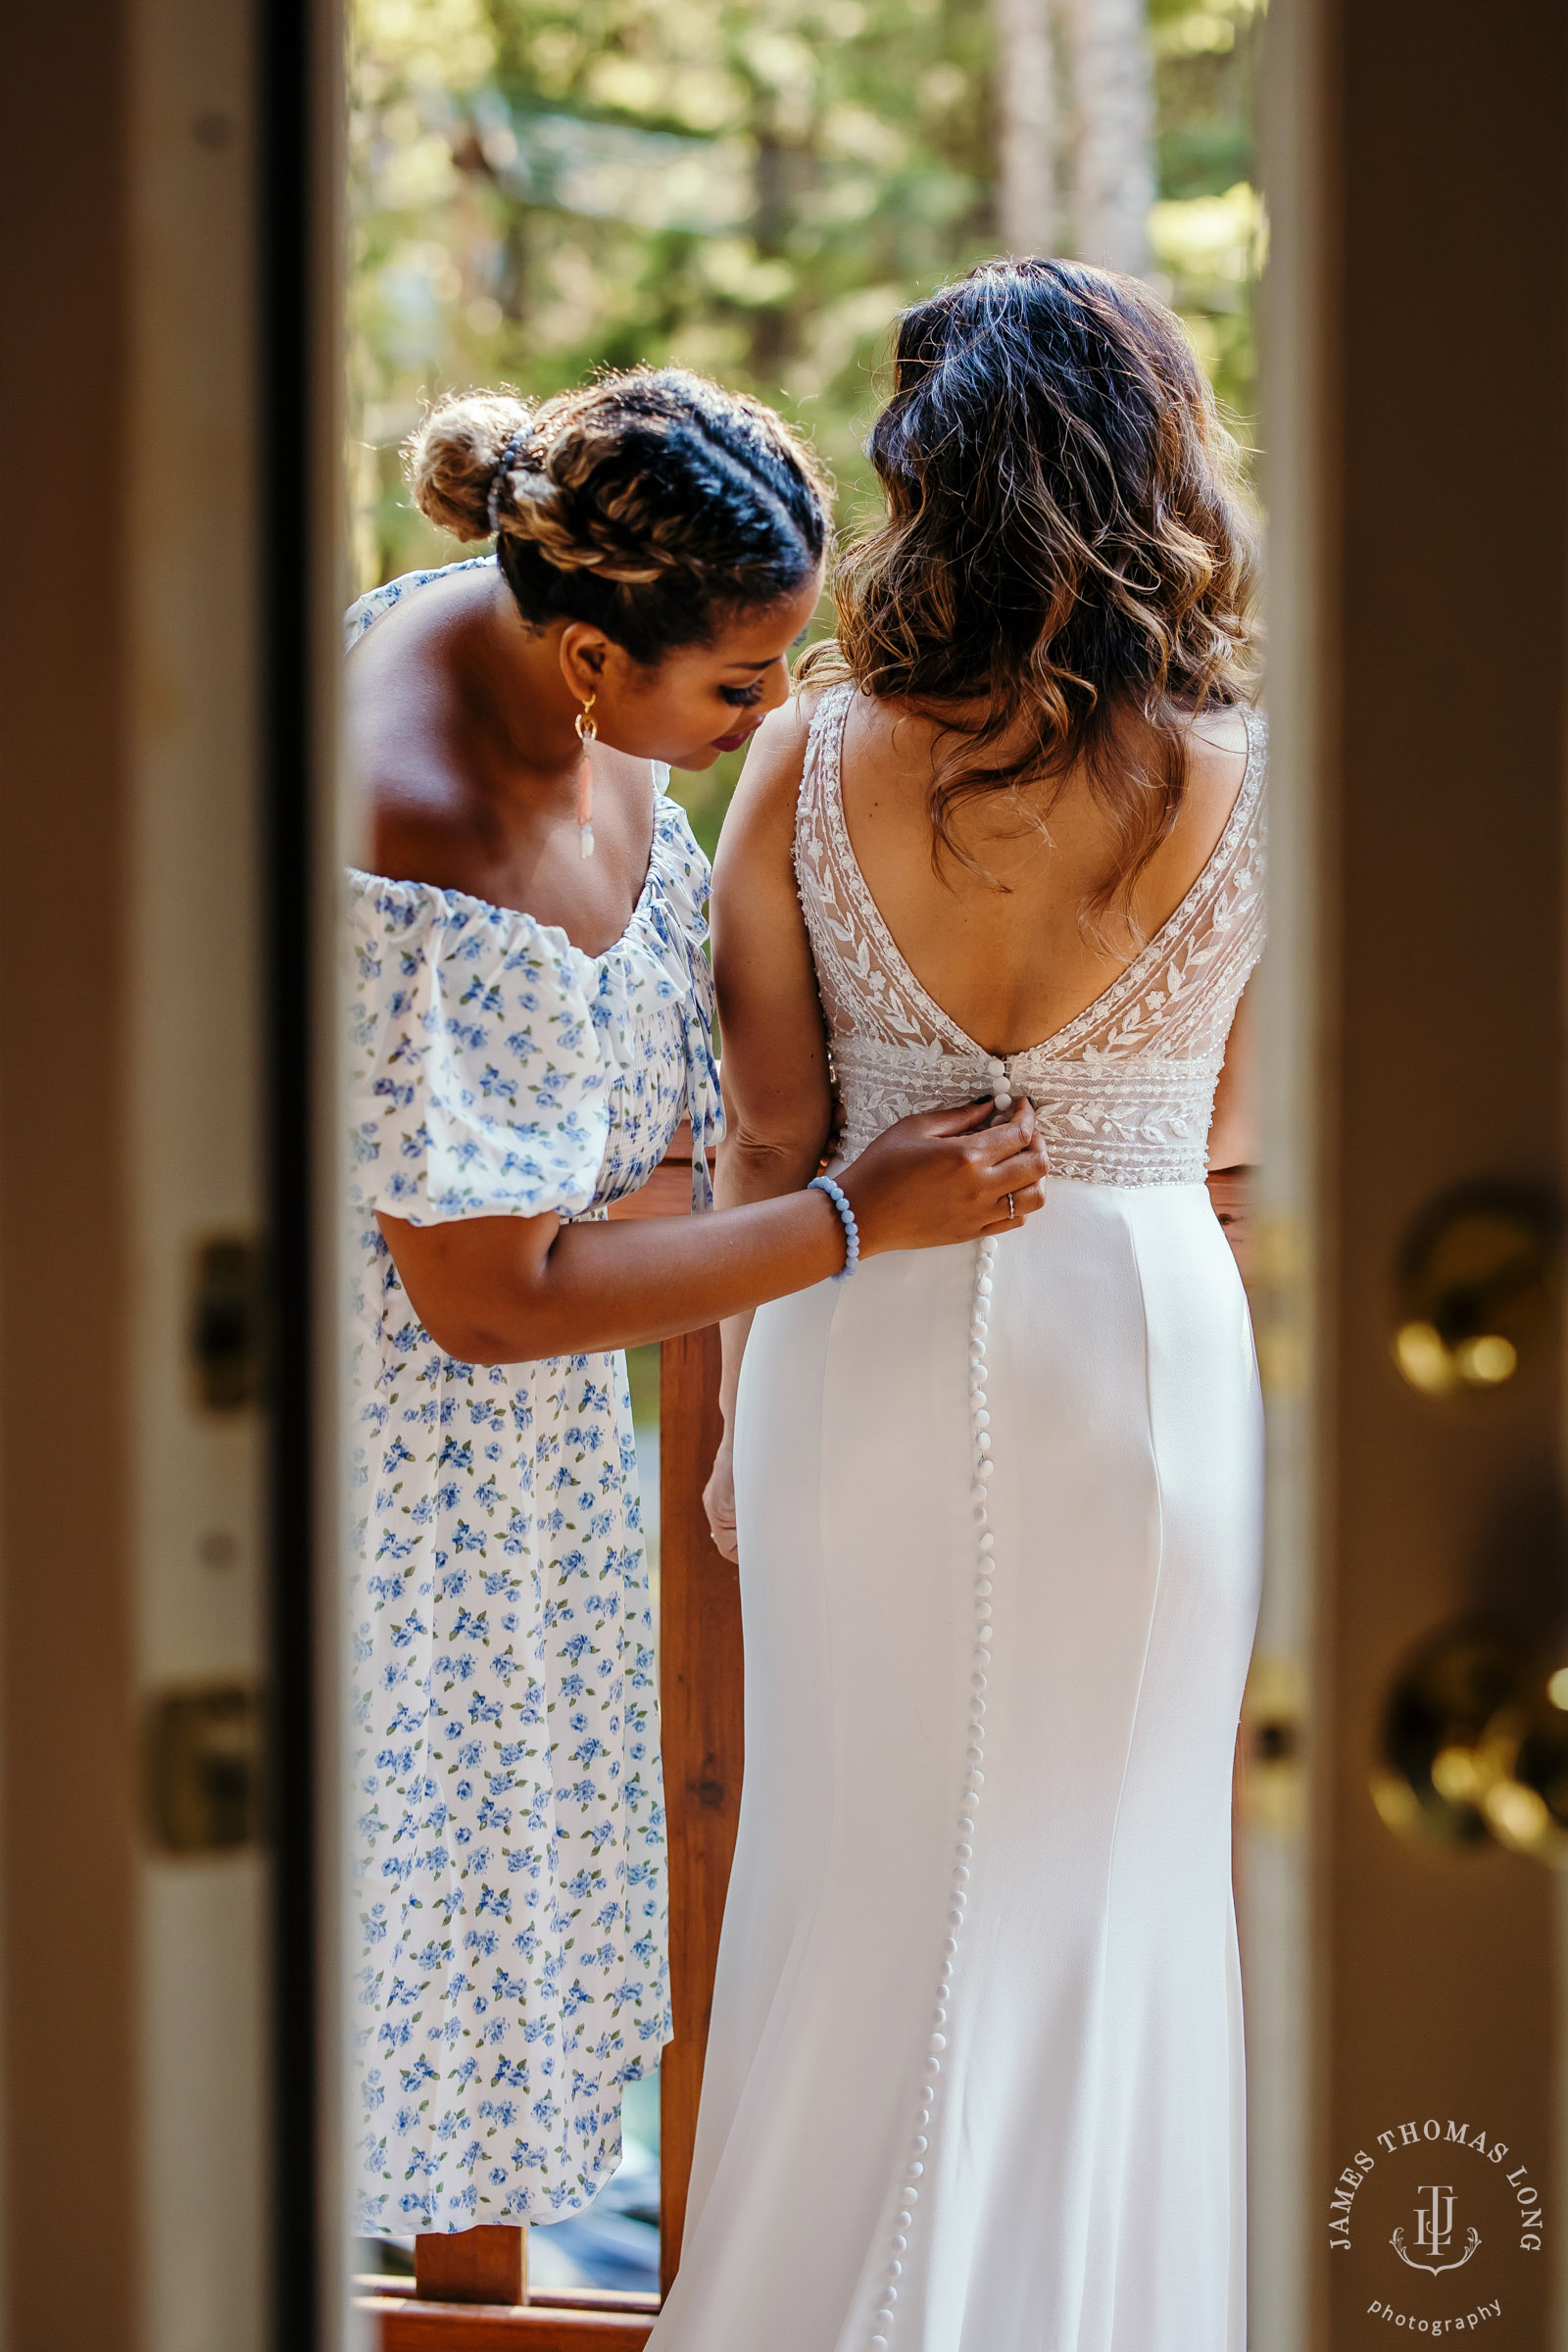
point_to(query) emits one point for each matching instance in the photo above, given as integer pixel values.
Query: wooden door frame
(1414, 1043)
(70, 2107)
(301, 198)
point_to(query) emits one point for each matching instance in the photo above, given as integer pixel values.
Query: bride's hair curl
(1065, 574)
(648, 503)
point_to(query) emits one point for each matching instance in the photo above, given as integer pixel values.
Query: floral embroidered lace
(1124, 1093)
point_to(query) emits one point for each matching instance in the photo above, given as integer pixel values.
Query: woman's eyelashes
(741, 698)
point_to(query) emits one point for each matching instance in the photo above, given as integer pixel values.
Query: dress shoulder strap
(824, 741)
(819, 772)
(864, 984)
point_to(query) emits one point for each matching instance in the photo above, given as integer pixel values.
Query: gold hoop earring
(587, 736)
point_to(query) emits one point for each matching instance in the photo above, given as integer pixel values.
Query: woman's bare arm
(778, 1101)
(513, 1289)
(1233, 1137)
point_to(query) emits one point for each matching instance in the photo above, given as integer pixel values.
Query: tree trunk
(1027, 124)
(1113, 90)
(772, 339)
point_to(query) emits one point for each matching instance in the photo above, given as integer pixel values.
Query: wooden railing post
(488, 2264)
(699, 1674)
(699, 1691)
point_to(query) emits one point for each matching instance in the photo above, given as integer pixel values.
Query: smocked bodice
(1124, 1093)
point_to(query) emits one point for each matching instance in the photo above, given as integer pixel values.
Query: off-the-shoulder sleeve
(477, 1081)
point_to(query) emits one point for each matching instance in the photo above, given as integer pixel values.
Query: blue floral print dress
(512, 1973)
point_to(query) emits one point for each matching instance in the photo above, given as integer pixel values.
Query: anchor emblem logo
(1433, 2233)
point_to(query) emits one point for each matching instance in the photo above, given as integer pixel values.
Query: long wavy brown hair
(1064, 577)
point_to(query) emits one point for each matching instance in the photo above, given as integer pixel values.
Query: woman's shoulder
(366, 609)
(760, 816)
(1218, 741)
(781, 751)
(1223, 735)
(1226, 757)
(402, 707)
(422, 819)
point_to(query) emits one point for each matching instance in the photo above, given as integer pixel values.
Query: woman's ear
(584, 653)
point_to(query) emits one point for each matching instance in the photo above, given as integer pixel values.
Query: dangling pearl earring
(587, 736)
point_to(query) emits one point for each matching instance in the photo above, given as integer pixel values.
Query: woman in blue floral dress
(531, 1020)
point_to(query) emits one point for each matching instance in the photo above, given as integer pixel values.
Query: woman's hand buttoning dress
(975, 2074)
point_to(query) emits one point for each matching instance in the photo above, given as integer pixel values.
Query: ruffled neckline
(661, 948)
(669, 821)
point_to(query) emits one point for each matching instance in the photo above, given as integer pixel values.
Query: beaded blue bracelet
(852, 1231)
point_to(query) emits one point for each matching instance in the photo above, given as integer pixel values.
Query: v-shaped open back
(1124, 1090)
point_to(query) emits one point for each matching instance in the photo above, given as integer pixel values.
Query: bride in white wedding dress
(974, 2073)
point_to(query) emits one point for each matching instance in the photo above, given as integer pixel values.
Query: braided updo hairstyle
(647, 504)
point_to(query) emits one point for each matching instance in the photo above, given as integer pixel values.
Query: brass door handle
(1474, 1747)
(1476, 1286)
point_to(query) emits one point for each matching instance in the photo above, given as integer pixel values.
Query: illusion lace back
(1124, 1093)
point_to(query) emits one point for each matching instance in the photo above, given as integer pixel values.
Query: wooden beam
(399, 2323)
(488, 2264)
(701, 1694)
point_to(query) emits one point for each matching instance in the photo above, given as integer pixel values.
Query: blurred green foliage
(751, 187)
(1208, 230)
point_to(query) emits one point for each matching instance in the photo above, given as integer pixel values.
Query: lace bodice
(1124, 1091)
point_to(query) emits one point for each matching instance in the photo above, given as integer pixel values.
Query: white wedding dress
(974, 2071)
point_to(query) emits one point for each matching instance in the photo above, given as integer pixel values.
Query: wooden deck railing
(700, 1707)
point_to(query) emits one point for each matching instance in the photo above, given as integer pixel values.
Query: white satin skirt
(974, 2071)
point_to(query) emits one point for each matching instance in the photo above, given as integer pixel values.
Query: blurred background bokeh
(542, 188)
